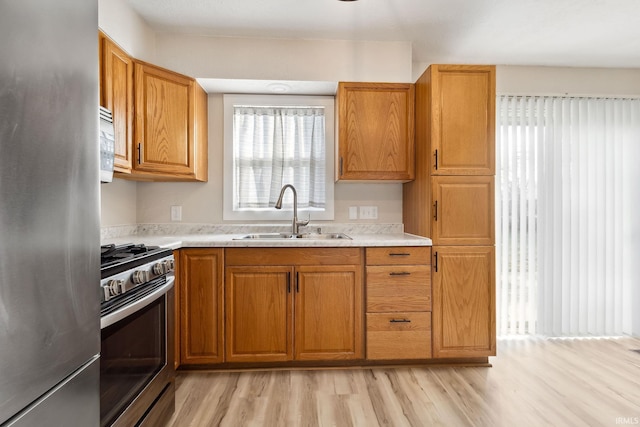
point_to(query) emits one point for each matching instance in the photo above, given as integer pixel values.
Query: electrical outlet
(368, 212)
(176, 213)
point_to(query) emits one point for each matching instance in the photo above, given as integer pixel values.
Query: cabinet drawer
(398, 288)
(399, 255)
(398, 336)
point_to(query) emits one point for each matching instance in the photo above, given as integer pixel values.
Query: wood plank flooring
(533, 382)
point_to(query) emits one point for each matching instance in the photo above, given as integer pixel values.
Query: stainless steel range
(137, 335)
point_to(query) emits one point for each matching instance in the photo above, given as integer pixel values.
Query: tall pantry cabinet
(452, 201)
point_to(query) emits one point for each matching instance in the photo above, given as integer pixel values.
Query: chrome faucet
(295, 224)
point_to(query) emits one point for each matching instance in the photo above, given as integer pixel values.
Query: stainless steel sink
(281, 236)
(324, 236)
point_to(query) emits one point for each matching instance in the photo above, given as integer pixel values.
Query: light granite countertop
(175, 237)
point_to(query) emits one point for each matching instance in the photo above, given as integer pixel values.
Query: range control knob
(170, 265)
(113, 287)
(160, 268)
(140, 276)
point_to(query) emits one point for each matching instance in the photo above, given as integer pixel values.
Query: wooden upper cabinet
(375, 131)
(463, 119)
(464, 322)
(200, 283)
(116, 94)
(463, 210)
(170, 138)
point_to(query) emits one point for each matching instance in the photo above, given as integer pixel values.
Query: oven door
(136, 358)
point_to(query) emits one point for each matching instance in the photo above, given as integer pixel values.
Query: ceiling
(582, 33)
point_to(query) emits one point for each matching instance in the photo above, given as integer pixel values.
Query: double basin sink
(286, 236)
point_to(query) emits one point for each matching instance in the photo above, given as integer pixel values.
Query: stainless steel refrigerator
(49, 213)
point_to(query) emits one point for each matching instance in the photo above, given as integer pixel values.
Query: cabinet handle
(435, 264)
(297, 281)
(435, 211)
(399, 321)
(400, 273)
(288, 282)
(398, 254)
(340, 166)
(139, 144)
(436, 162)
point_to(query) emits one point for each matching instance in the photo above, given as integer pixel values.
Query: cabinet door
(375, 122)
(164, 122)
(464, 323)
(328, 313)
(463, 210)
(201, 309)
(463, 119)
(259, 313)
(116, 94)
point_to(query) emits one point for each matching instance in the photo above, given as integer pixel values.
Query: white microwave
(107, 145)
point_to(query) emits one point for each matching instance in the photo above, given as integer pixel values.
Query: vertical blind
(274, 146)
(566, 214)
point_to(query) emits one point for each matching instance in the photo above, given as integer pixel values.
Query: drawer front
(398, 288)
(420, 255)
(292, 256)
(398, 336)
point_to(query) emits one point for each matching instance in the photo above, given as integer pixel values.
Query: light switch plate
(176, 213)
(353, 212)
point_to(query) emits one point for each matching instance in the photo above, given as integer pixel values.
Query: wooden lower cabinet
(308, 310)
(398, 303)
(328, 312)
(259, 304)
(200, 286)
(399, 335)
(464, 323)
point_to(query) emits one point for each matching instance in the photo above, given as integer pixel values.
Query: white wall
(283, 59)
(519, 80)
(118, 203)
(124, 25)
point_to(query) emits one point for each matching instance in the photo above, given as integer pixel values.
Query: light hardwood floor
(533, 382)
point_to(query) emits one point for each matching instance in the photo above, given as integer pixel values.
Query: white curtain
(517, 139)
(566, 214)
(274, 146)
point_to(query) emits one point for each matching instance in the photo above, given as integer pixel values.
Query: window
(271, 141)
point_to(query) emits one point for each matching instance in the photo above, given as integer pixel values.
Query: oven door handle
(135, 306)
